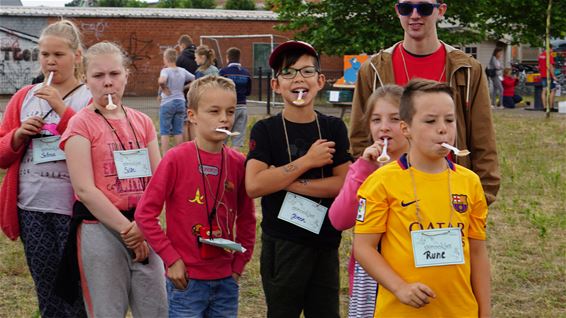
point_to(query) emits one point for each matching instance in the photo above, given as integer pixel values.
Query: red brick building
(145, 32)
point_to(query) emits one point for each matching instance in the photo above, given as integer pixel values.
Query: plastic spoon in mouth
(384, 157)
(299, 100)
(227, 132)
(457, 152)
(49, 78)
(110, 105)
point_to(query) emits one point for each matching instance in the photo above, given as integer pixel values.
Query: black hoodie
(186, 59)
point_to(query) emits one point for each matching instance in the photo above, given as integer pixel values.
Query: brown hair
(391, 93)
(233, 54)
(170, 55)
(208, 54)
(203, 84)
(185, 40)
(507, 71)
(416, 87)
(68, 31)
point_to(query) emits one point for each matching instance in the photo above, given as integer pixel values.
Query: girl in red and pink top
(383, 121)
(201, 184)
(509, 82)
(36, 197)
(112, 151)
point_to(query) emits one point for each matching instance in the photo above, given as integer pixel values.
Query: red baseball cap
(275, 57)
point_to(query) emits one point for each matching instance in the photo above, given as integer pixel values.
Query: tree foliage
(353, 26)
(120, 3)
(202, 4)
(240, 5)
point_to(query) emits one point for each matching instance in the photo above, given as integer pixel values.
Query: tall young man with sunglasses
(422, 55)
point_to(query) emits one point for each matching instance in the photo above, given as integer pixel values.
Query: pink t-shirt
(124, 194)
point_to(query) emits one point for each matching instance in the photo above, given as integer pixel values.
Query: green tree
(240, 5)
(353, 26)
(204, 4)
(74, 3)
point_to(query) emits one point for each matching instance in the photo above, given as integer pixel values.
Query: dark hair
(185, 40)
(233, 54)
(416, 87)
(290, 57)
(497, 50)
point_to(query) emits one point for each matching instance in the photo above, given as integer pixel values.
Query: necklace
(407, 72)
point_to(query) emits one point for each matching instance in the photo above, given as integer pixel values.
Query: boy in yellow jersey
(429, 215)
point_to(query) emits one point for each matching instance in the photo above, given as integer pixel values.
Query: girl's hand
(372, 152)
(52, 96)
(30, 127)
(141, 252)
(132, 236)
(415, 294)
(177, 273)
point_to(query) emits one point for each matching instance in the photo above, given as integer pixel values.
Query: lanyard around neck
(287, 138)
(407, 72)
(64, 97)
(210, 215)
(417, 205)
(114, 130)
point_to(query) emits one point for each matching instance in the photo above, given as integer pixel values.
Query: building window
(472, 50)
(261, 52)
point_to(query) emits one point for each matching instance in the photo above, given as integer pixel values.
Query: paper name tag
(223, 243)
(334, 96)
(437, 247)
(46, 149)
(132, 163)
(302, 212)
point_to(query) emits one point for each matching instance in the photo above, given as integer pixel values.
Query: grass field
(526, 230)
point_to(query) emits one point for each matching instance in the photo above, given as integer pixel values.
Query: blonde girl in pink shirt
(112, 151)
(383, 121)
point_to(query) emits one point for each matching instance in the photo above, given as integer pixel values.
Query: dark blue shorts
(544, 83)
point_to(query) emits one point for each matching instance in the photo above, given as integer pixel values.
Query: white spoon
(49, 78)
(110, 105)
(227, 132)
(384, 157)
(299, 100)
(457, 152)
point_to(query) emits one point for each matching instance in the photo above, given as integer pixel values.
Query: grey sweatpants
(111, 281)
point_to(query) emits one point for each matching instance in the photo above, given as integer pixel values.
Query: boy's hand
(321, 152)
(177, 273)
(415, 294)
(141, 252)
(236, 277)
(372, 152)
(132, 236)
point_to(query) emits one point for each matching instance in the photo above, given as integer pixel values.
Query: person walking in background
(495, 63)
(297, 163)
(422, 55)
(112, 151)
(509, 82)
(36, 196)
(430, 216)
(241, 77)
(544, 80)
(205, 59)
(202, 279)
(186, 58)
(383, 121)
(172, 112)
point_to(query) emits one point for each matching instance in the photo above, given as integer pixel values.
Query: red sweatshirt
(178, 183)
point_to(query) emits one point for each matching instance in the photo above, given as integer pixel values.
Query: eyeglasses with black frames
(291, 73)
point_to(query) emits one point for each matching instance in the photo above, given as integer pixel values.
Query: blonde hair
(391, 93)
(105, 48)
(170, 55)
(199, 87)
(209, 55)
(68, 31)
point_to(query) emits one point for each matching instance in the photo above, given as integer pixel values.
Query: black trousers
(298, 278)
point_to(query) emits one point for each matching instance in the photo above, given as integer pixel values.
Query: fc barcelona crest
(460, 202)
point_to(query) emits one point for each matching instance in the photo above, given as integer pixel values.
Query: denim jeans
(171, 117)
(204, 299)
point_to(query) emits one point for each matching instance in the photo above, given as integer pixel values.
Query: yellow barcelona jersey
(388, 205)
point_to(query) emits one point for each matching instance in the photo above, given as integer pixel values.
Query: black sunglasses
(424, 9)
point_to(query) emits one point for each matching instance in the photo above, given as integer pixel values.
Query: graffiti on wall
(138, 51)
(19, 60)
(95, 28)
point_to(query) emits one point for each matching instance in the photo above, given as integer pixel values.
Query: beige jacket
(475, 127)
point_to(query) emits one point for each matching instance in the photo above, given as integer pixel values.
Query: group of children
(102, 198)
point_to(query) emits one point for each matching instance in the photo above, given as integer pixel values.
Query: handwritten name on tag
(302, 212)
(437, 247)
(46, 149)
(132, 163)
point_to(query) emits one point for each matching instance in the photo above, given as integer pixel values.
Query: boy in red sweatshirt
(509, 82)
(202, 184)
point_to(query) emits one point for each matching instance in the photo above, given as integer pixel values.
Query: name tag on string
(46, 149)
(132, 163)
(302, 212)
(437, 247)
